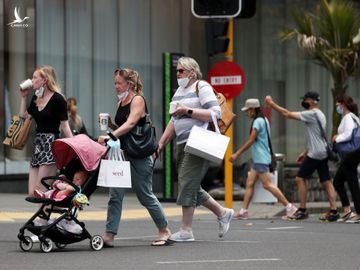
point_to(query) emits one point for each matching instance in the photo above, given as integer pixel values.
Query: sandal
(161, 243)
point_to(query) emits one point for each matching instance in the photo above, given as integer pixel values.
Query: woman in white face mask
(196, 102)
(347, 170)
(131, 112)
(47, 103)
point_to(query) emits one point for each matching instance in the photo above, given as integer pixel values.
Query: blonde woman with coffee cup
(49, 110)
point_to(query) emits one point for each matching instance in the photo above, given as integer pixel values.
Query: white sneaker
(290, 211)
(346, 217)
(224, 222)
(182, 236)
(354, 219)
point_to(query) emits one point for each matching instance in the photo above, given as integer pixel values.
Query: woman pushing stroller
(131, 111)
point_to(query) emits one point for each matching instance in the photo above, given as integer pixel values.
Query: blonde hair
(190, 64)
(132, 77)
(48, 73)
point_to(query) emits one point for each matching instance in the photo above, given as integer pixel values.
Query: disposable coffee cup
(26, 84)
(104, 121)
(173, 106)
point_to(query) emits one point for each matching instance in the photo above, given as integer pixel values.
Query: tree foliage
(330, 37)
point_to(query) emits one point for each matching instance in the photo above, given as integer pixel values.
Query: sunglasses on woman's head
(123, 70)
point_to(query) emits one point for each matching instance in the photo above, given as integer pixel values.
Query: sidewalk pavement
(13, 207)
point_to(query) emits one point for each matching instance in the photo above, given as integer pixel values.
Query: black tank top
(123, 113)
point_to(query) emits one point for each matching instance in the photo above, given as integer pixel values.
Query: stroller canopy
(88, 151)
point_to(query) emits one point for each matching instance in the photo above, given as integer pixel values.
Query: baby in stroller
(60, 189)
(77, 158)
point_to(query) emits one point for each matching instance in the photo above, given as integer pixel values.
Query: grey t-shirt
(315, 143)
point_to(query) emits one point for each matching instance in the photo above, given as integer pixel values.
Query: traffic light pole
(228, 166)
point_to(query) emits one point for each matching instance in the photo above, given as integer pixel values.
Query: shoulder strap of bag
(268, 136)
(356, 122)
(197, 88)
(146, 109)
(322, 131)
(147, 115)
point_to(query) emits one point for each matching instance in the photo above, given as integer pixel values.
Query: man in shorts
(315, 155)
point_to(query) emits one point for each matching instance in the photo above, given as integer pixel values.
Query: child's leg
(60, 195)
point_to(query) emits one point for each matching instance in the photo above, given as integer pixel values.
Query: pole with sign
(227, 78)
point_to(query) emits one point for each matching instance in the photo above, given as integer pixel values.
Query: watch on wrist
(189, 112)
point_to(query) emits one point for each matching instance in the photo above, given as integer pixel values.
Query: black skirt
(42, 154)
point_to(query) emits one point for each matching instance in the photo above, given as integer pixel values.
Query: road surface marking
(284, 228)
(221, 261)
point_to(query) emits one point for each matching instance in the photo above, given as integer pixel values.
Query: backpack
(227, 116)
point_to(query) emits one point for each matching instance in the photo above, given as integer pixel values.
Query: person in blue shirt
(261, 157)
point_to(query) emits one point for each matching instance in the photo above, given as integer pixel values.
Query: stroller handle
(111, 135)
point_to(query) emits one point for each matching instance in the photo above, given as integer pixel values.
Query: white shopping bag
(115, 171)
(206, 143)
(261, 195)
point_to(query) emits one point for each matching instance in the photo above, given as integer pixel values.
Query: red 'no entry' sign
(227, 78)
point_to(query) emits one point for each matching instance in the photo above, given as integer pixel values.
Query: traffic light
(216, 36)
(216, 8)
(223, 8)
(248, 9)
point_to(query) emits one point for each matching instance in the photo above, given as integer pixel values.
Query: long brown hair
(349, 103)
(72, 108)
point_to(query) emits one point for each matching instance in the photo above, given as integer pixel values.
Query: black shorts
(310, 165)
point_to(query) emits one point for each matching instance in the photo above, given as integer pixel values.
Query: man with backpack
(314, 157)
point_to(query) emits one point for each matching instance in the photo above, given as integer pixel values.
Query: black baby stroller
(71, 155)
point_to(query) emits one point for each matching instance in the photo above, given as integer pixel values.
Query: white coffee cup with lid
(26, 84)
(104, 121)
(172, 106)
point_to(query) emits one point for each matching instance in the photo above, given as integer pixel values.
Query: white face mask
(183, 82)
(123, 95)
(40, 92)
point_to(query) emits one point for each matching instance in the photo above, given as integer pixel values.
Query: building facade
(86, 40)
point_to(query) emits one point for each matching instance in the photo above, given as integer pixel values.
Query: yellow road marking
(100, 215)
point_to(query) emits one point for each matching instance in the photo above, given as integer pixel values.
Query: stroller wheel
(26, 244)
(96, 242)
(60, 246)
(46, 245)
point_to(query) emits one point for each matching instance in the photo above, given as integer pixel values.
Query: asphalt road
(252, 244)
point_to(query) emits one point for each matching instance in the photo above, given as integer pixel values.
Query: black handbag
(140, 142)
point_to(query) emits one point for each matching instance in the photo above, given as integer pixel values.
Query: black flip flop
(161, 243)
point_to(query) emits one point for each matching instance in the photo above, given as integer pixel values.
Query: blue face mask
(339, 110)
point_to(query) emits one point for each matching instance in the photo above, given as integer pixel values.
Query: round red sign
(227, 78)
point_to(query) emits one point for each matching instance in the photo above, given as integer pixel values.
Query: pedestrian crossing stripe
(14, 216)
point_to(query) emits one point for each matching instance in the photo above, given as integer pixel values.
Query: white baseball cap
(251, 103)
